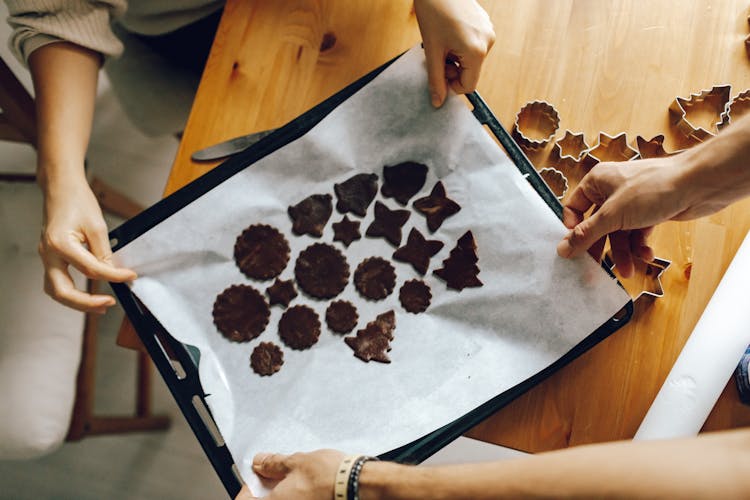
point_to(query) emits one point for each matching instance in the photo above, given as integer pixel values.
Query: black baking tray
(178, 363)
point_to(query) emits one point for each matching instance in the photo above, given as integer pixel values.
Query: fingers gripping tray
(390, 220)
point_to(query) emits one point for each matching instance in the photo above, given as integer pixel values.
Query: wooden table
(612, 66)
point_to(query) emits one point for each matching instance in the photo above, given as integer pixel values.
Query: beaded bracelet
(352, 490)
(341, 484)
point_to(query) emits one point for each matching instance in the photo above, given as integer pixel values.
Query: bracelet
(352, 490)
(341, 483)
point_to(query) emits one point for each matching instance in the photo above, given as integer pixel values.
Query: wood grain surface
(612, 66)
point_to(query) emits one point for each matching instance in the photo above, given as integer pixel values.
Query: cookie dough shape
(436, 207)
(321, 271)
(404, 180)
(356, 193)
(299, 327)
(240, 313)
(374, 341)
(261, 252)
(375, 278)
(311, 215)
(418, 251)
(282, 292)
(460, 269)
(415, 296)
(341, 316)
(266, 359)
(388, 223)
(346, 231)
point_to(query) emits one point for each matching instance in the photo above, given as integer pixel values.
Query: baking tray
(178, 363)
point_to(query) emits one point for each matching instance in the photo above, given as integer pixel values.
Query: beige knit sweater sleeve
(37, 23)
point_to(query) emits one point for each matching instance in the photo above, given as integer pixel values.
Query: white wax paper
(467, 348)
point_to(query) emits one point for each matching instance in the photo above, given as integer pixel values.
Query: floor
(142, 466)
(137, 466)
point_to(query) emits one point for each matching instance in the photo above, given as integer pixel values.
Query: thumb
(270, 466)
(586, 234)
(436, 74)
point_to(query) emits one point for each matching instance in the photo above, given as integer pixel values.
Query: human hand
(302, 476)
(457, 37)
(629, 199)
(74, 234)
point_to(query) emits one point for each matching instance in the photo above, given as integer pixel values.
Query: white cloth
(40, 340)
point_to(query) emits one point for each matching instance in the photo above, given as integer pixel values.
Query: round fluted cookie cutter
(555, 180)
(536, 124)
(715, 99)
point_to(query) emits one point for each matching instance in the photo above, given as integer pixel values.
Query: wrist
(716, 171)
(55, 176)
(393, 481)
(374, 480)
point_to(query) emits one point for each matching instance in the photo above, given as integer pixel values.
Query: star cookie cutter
(555, 180)
(536, 124)
(736, 108)
(609, 148)
(654, 269)
(569, 150)
(654, 147)
(713, 101)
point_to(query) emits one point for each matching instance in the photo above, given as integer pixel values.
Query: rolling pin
(707, 360)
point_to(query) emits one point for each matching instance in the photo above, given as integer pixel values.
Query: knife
(230, 147)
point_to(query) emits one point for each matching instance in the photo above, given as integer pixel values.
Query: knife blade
(229, 147)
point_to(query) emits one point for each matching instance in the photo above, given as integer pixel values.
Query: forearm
(711, 466)
(65, 79)
(720, 168)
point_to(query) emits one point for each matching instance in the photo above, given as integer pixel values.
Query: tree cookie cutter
(654, 147)
(536, 124)
(609, 148)
(710, 101)
(736, 108)
(654, 269)
(556, 181)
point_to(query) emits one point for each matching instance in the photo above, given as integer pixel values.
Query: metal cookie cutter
(713, 101)
(609, 148)
(536, 124)
(569, 150)
(556, 181)
(736, 108)
(654, 147)
(654, 269)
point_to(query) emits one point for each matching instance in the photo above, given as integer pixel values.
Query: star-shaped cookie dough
(437, 207)
(281, 292)
(346, 231)
(417, 251)
(388, 223)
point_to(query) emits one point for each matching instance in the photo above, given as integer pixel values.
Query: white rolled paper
(708, 359)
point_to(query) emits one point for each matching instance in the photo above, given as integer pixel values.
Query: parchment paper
(467, 348)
